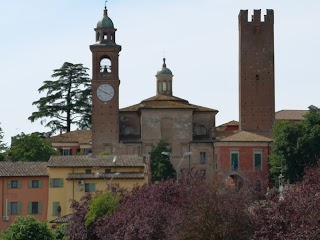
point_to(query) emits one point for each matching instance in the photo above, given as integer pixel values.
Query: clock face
(105, 92)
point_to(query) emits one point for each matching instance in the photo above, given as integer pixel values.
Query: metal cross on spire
(105, 4)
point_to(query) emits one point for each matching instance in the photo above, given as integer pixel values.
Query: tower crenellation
(256, 17)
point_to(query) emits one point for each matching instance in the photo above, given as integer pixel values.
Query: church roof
(160, 101)
(244, 136)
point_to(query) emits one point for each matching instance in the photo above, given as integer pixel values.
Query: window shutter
(39, 207)
(19, 208)
(51, 182)
(30, 183)
(9, 184)
(9, 208)
(61, 182)
(19, 183)
(40, 184)
(55, 206)
(29, 207)
(92, 187)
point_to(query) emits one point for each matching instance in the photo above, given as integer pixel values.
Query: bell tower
(256, 71)
(105, 87)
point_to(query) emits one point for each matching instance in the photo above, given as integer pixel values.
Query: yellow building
(71, 177)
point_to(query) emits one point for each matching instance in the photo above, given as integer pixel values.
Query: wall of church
(168, 124)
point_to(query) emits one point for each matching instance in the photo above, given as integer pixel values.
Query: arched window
(164, 86)
(105, 64)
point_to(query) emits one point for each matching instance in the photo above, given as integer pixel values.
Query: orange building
(23, 191)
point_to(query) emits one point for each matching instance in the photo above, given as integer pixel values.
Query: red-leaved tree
(295, 217)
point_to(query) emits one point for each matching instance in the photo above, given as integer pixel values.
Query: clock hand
(104, 92)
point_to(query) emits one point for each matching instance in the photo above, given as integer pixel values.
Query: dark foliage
(161, 167)
(67, 100)
(3, 147)
(190, 208)
(297, 217)
(296, 145)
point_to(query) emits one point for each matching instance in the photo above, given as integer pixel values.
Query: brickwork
(256, 71)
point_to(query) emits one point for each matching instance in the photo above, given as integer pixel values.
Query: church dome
(164, 69)
(105, 22)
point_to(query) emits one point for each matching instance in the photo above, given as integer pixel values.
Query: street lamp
(178, 167)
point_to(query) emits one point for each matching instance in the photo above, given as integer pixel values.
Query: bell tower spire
(105, 86)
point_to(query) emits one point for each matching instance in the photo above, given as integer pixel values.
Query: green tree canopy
(27, 228)
(3, 147)
(102, 204)
(67, 100)
(31, 147)
(296, 145)
(161, 167)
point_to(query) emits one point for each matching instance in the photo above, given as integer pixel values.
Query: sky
(199, 39)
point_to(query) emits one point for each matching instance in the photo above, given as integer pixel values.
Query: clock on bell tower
(105, 87)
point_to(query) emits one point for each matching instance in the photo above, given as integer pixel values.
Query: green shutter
(39, 207)
(61, 182)
(9, 208)
(19, 208)
(92, 187)
(55, 206)
(51, 182)
(30, 184)
(40, 184)
(19, 184)
(29, 207)
(9, 184)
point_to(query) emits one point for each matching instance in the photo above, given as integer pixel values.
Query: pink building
(23, 191)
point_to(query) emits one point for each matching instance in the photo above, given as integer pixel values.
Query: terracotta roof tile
(23, 169)
(77, 136)
(297, 115)
(231, 123)
(96, 161)
(122, 175)
(244, 136)
(63, 219)
(165, 102)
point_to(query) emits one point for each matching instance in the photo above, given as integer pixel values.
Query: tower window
(105, 65)
(164, 86)
(257, 76)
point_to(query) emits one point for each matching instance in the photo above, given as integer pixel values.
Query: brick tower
(256, 71)
(105, 87)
